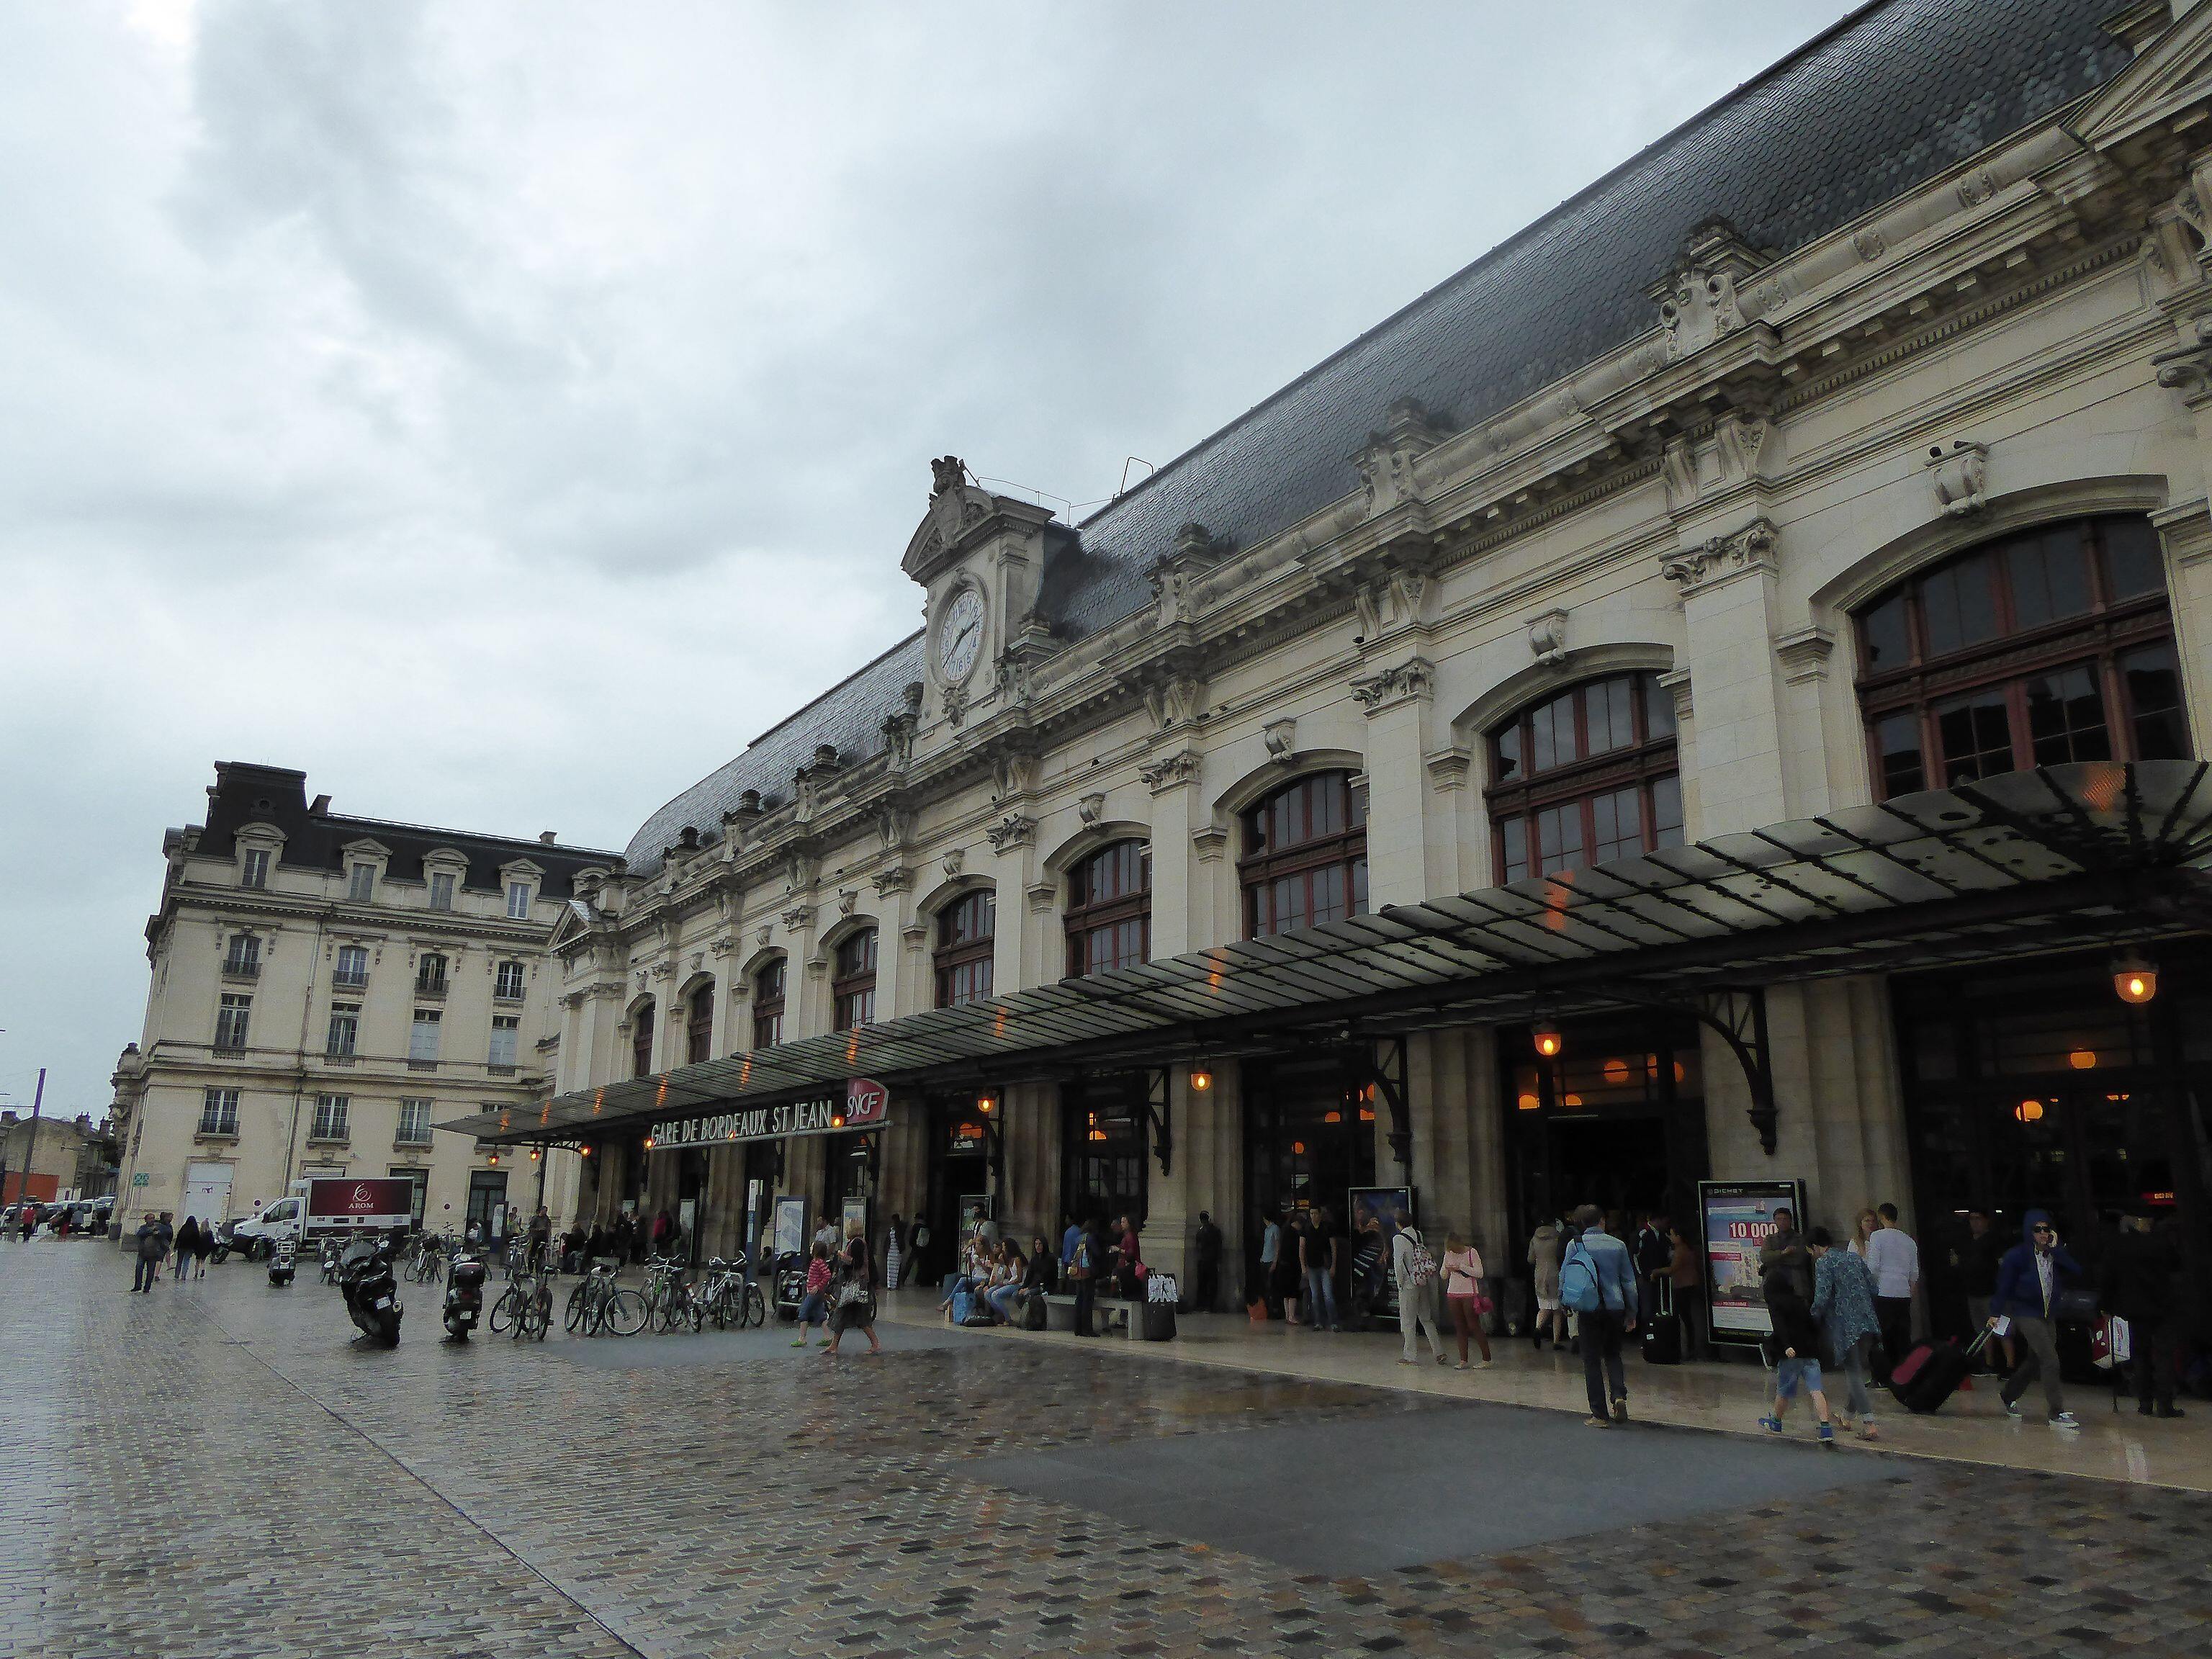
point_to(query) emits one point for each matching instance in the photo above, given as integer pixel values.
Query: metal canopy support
(1740, 1017)
(1159, 1114)
(1386, 1072)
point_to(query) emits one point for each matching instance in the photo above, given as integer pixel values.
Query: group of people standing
(157, 1240)
(842, 1281)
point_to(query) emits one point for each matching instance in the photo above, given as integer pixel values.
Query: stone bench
(1106, 1314)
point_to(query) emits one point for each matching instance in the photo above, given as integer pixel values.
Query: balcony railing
(238, 967)
(429, 987)
(345, 981)
(408, 1138)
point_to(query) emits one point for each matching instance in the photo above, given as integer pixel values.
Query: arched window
(1585, 776)
(768, 1005)
(1305, 856)
(853, 981)
(2052, 645)
(1109, 909)
(699, 1025)
(641, 1040)
(966, 934)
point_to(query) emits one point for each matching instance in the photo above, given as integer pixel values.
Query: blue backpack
(1579, 1286)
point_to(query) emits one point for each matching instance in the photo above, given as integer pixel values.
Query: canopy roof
(2011, 866)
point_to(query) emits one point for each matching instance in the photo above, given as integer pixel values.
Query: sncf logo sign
(866, 1101)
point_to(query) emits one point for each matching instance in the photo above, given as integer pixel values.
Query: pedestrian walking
(1415, 1270)
(1976, 1261)
(2028, 1282)
(1687, 1279)
(1655, 1258)
(147, 1240)
(856, 1308)
(1271, 1252)
(1206, 1265)
(1794, 1348)
(2140, 1287)
(1463, 1296)
(188, 1246)
(27, 1219)
(814, 1306)
(1544, 1257)
(1843, 1304)
(1895, 1259)
(1597, 1281)
(1317, 1260)
(1290, 1267)
(894, 1252)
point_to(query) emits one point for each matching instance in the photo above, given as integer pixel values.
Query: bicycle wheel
(537, 1315)
(573, 1314)
(695, 1313)
(670, 1313)
(504, 1311)
(623, 1312)
(756, 1307)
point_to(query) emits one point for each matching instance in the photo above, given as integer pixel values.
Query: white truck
(326, 1204)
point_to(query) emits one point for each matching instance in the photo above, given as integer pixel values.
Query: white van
(258, 1236)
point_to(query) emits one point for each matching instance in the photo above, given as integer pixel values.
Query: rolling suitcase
(1662, 1332)
(1930, 1374)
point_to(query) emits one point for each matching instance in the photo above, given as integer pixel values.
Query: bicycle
(678, 1303)
(525, 1307)
(731, 1298)
(601, 1303)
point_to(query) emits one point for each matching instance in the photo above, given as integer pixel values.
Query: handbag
(852, 1292)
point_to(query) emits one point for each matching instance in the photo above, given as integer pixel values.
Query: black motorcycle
(464, 1296)
(226, 1240)
(370, 1289)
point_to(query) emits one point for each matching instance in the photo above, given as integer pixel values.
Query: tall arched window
(699, 1025)
(641, 1040)
(768, 1005)
(967, 930)
(1585, 776)
(1109, 909)
(1305, 856)
(853, 981)
(2052, 645)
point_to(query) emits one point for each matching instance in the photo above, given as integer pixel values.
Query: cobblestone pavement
(213, 1470)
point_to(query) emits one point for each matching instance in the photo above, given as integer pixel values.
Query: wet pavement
(214, 1469)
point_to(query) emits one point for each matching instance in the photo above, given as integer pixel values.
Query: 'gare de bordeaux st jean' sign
(865, 1105)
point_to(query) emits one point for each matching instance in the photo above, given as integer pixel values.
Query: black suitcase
(1930, 1374)
(1158, 1321)
(1662, 1332)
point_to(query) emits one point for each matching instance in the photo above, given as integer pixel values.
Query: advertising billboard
(1737, 1217)
(343, 1201)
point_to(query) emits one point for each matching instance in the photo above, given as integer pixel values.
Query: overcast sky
(504, 413)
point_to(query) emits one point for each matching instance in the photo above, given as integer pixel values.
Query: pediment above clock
(961, 516)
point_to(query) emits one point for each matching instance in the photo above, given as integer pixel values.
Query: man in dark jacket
(2139, 1287)
(1976, 1258)
(151, 1248)
(1206, 1287)
(2028, 1281)
(1655, 1252)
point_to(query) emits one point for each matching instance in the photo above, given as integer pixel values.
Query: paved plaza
(215, 1469)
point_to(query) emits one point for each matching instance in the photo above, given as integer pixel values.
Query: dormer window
(441, 890)
(256, 871)
(518, 901)
(360, 882)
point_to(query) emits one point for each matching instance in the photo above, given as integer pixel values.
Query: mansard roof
(1893, 95)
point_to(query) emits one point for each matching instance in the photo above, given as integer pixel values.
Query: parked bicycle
(525, 1307)
(730, 1297)
(670, 1299)
(600, 1304)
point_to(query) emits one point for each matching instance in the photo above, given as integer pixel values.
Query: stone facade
(301, 959)
(2019, 339)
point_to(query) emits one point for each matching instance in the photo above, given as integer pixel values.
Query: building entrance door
(850, 1179)
(207, 1191)
(959, 1179)
(1308, 1139)
(488, 1204)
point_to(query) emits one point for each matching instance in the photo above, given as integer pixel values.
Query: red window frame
(699, 1025)
(853, 981)
(640, 1041)
(1556, 802)
(768, 1004)
(1108, 918)
(1305, 855)
(1971, 667)
(967, 937)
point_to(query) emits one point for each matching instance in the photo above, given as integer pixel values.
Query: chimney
(547, 836)
(322, 804)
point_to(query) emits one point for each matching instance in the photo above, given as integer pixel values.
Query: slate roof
(247, 794)
(1891, 96)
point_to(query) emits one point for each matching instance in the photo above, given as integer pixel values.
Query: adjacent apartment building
(1710, 691)
(325, 988)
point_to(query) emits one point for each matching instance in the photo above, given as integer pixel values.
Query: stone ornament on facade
(1804, 653)
(1175, 699)
(1697, 303)
(2187, 369)
(846, 898)
(1281, 738)
(1386, 687)
(1041, 895)
(1957, 474)
(799, 918)
(899, 728)
(954, 861)
(1010, 831)
(1548, 638)
(899, 878)
(1385, 463)
(1091, 807)
(956, 705)
(1698, 470)
(1719, 558)
(1170, 771)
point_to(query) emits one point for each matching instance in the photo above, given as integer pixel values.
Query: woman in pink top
(1462, 1267)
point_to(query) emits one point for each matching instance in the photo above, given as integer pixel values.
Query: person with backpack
(1415, 1270)
(1597, 1283)
(1085, 1262)
(1794, 1348)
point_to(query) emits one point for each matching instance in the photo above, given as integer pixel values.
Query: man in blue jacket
(2028, 1281)
(1597, 1280)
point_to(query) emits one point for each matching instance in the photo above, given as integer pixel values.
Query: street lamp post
(31, 1146)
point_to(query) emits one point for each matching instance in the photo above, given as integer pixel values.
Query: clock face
(960, 633)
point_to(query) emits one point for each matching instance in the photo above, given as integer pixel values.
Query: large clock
(960, 633)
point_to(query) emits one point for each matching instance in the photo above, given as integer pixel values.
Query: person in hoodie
(1796, 1345)
(2028, 1281)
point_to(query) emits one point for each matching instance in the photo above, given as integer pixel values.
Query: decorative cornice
(1013, 830)
(1386, 687)
(1170, 771)
(1721, 558)
(898, 878)
(1449, 768)
(1803, 653)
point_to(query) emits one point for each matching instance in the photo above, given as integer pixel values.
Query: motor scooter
(464, 1296)
(371, 1290)
(333, 1251)
(225, 1241)
(282, 1262)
